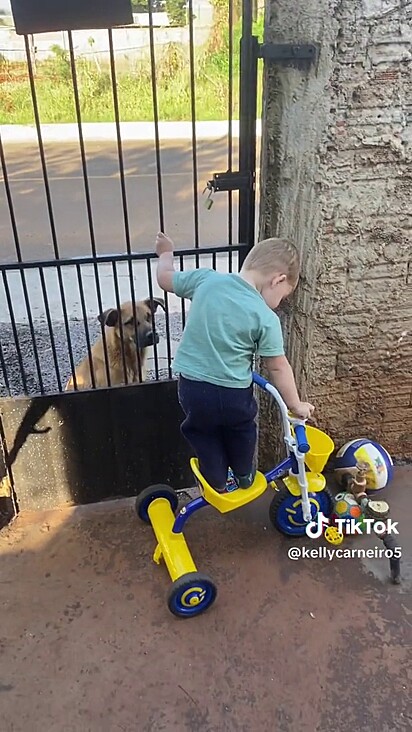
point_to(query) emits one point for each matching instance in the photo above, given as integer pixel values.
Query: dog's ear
(110, 317)
(154, 303)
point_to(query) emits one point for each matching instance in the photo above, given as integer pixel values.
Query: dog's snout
(151, 338)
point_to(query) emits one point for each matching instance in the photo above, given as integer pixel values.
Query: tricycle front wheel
(191, 594)
(285, 510)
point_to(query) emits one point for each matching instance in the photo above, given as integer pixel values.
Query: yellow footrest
(316, 483)
(172, 547)
(225, 502)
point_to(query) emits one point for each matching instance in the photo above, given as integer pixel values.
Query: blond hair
(274, 255)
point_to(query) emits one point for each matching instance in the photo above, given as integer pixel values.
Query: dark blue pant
(220, 427)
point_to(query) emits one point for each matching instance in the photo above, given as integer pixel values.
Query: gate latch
(300, 55)
(230, 181)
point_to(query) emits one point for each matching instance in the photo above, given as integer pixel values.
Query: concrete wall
(131, 43)
(337, 178)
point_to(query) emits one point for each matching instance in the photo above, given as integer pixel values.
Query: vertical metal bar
(123, 190)
(4, 371)
(193, 120)
(9, 302)
(247, 127)
(156, 118)
(86, 325)
(150, 283)
(14, 329)
(168, 346)
(66, 325)
(19, 259)
(181, 262)
(50, 327)
(49, 202)
(119, 142)
(32, 333)
(118, 305)
(88, 199)
(230, 130)
(8, 466)
(10, 202)
(41, 149)
(159, 191)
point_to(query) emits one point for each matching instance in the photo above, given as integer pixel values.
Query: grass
(54, 88)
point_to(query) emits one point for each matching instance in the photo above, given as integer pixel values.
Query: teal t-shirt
(228, 324)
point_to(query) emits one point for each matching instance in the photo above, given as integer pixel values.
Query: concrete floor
(87, 642)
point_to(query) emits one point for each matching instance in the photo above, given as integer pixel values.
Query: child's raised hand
(163, 244)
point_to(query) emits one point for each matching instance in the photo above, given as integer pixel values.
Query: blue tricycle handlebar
(301, 439)
(299, 429)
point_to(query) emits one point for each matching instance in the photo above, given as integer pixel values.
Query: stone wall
(337, 178)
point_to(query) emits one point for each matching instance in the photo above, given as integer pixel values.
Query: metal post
(247, 127)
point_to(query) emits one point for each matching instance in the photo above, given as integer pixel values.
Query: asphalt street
(179, 191)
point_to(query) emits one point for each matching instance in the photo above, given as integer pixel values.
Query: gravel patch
(11, 379)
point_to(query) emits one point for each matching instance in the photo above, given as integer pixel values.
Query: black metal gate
(85, 445)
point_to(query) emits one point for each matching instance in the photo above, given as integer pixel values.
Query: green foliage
(176, 12)
(60, 63)
(142, 6)
(139, 6)
(55, 91)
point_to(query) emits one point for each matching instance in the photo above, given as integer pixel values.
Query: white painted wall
(130, 42)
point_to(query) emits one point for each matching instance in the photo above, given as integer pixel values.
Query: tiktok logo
(351, 527)
(314, 529)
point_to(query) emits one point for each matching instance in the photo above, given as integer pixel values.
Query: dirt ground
(12, 382)
(87, 642)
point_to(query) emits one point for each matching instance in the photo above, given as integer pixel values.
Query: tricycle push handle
(267, 386)
(259, 380)
(287, 419)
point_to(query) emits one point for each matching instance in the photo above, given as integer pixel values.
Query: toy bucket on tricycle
(302, 495)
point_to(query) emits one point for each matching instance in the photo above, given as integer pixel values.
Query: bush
(176, 12)
(55, 92)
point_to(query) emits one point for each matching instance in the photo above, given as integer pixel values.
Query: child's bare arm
(281, 376)
(165, 268)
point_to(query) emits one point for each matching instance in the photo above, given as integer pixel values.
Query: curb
(130, 131)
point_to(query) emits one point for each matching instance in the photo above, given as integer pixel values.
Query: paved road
(68, 198)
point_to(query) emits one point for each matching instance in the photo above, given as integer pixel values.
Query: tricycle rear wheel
(150, 494)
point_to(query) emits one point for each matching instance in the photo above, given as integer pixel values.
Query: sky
(4, 5)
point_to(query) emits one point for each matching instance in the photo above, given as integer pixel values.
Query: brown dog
(117, 322)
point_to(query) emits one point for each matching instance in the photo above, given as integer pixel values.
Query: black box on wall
(43, 16)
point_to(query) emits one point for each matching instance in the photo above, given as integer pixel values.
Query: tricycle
(300, 494)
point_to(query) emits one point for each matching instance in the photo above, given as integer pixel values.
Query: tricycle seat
(225, 502)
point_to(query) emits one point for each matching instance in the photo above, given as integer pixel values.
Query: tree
(175, 9)
(142, 6)
(176, 12)
(139, 6)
